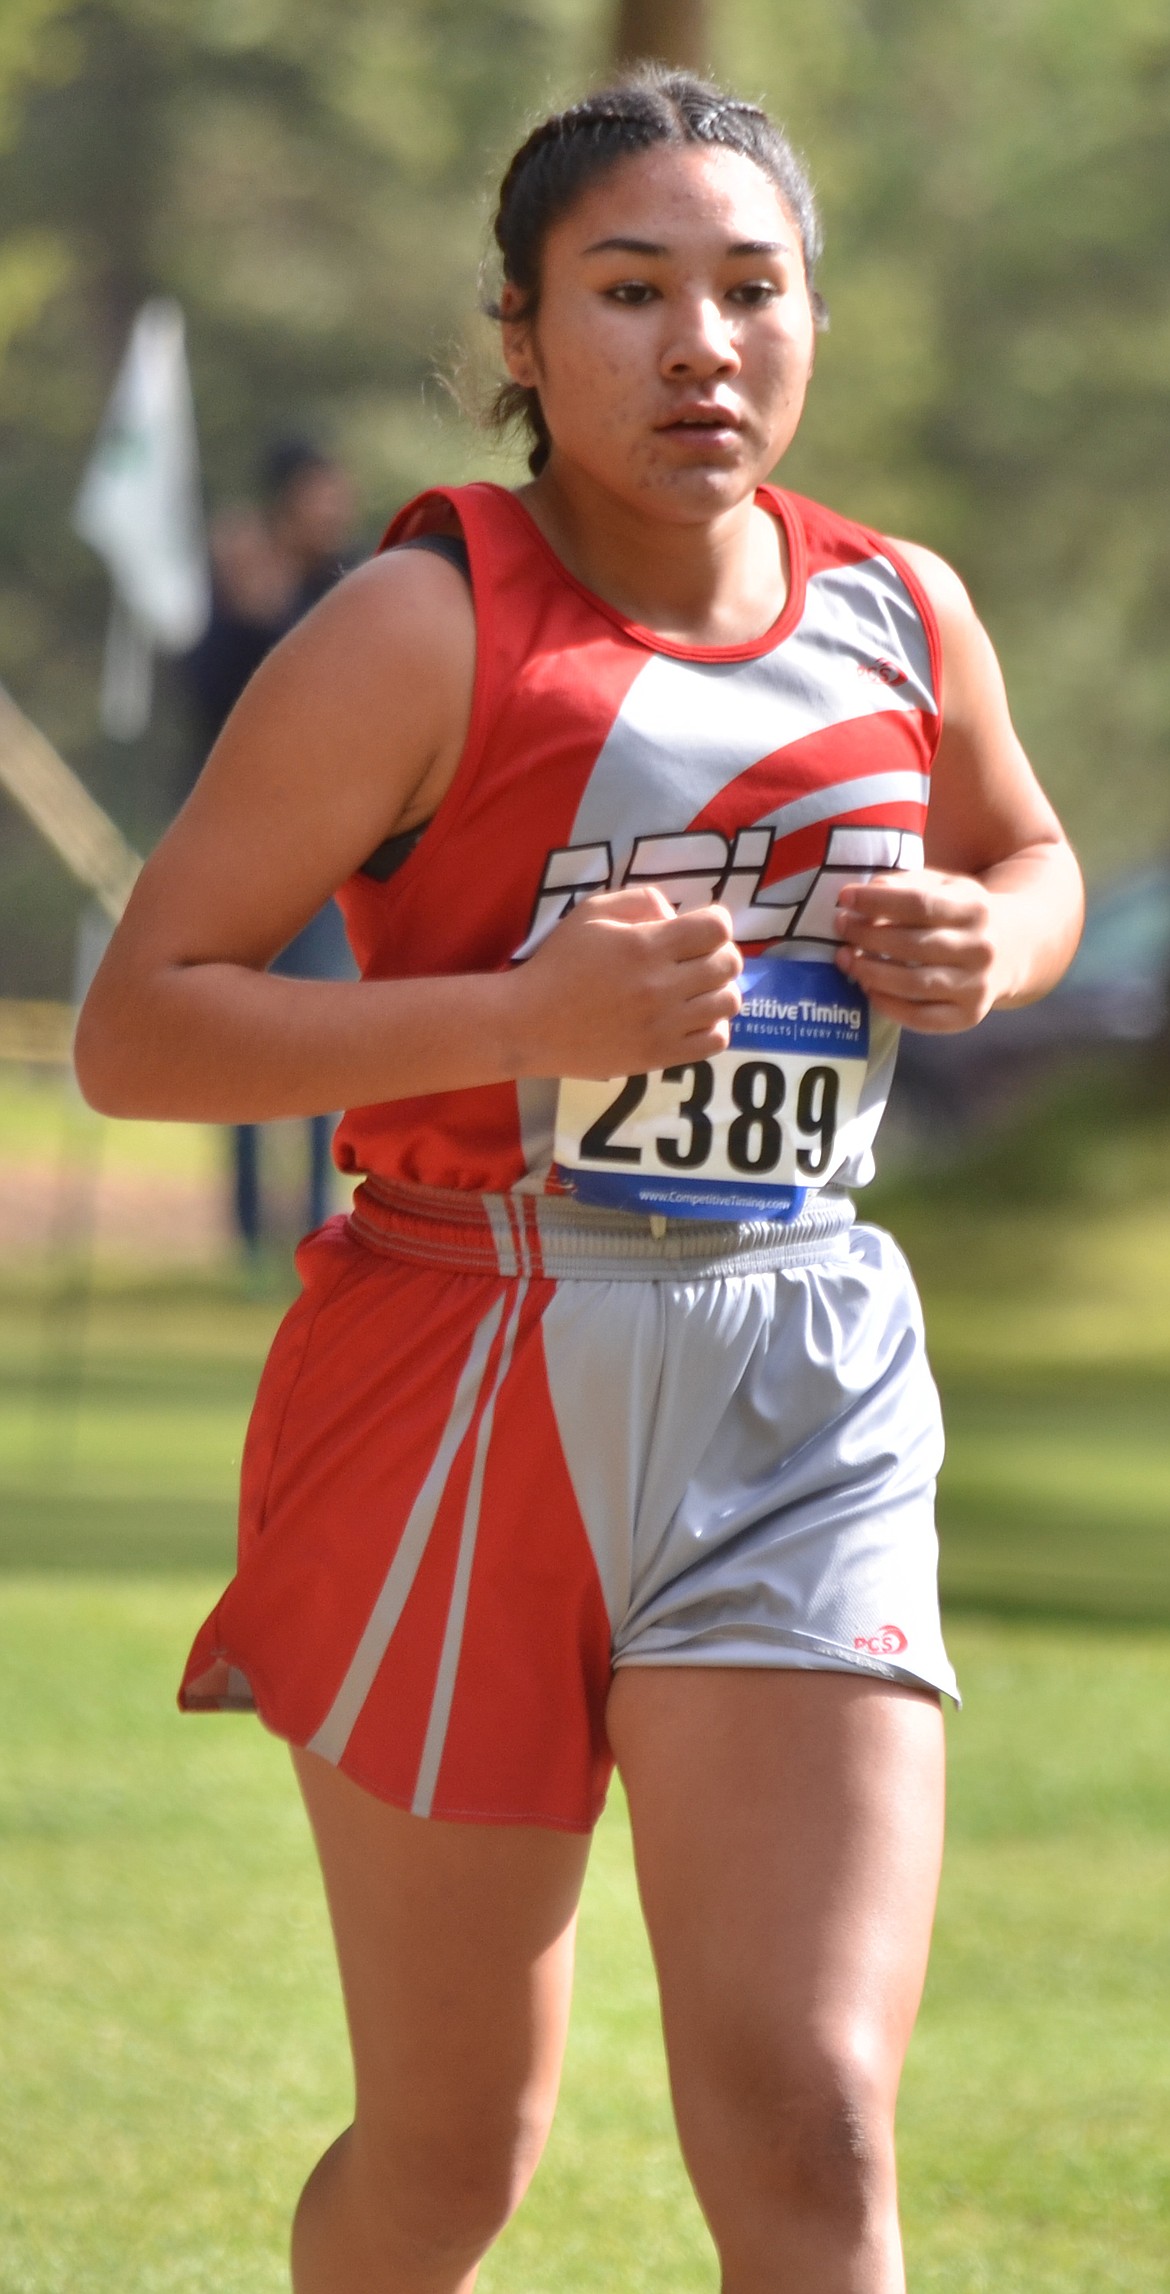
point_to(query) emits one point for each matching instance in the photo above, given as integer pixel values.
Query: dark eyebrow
(621, 246)
(626, 247)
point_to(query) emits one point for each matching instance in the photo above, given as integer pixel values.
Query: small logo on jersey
(888, 1641)
(882, 671)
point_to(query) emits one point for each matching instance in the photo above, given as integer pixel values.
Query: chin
(698, 492)
(658, 485)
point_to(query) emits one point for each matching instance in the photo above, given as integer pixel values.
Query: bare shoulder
(945, 590)
(367, 699)
(396, 617)
(985, 800)
(350, 731)
(972, 681)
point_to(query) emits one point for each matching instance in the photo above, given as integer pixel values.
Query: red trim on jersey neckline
(769, 498)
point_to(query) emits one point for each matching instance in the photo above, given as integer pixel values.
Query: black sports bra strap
(391, 853)
(449, 546)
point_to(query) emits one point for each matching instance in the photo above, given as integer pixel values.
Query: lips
(700, 418)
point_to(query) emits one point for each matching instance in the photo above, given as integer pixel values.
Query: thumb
(633, 904)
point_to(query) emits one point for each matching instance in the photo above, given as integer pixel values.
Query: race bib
(744, 1135)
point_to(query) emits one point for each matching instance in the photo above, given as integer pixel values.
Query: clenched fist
(923, 947)
(624, 986)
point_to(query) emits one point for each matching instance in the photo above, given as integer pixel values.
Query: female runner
(600, 1431)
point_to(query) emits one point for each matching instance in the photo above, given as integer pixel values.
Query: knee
(447, 2193)
(813, 2133)
(458, 2197)
(831, 2140)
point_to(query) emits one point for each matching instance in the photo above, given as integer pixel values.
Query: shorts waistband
(551, 1235)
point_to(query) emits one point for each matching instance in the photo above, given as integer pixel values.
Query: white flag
(139, 508)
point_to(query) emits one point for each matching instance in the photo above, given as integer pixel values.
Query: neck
(715, 580)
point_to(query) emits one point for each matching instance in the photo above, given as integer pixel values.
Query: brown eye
(632, 293)
(754, 294)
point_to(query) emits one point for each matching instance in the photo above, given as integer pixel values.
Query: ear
(516, 337)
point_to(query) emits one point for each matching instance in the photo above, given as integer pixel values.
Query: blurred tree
(669, 31)
(996, 182)
(308, 176)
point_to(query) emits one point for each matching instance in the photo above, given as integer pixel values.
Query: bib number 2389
(743, 1135)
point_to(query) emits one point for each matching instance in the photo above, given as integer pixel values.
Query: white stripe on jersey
(686, 729)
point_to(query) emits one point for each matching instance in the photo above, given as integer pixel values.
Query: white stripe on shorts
(339, 1722)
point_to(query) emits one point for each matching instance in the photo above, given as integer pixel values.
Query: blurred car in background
(1115, 992)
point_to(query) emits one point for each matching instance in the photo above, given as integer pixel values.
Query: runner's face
(674, 337)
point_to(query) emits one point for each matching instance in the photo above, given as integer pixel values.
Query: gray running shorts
(505, 1444)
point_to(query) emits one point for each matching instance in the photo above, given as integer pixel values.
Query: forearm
(621, 986)
(1037, 908)
(219, 1043)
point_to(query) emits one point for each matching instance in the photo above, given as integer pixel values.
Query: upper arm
(986, 802)
(351, 727)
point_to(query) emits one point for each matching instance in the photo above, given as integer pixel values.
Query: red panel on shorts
(330, 1480)
(522, 1731)
(385, 1749)
(355, 1402)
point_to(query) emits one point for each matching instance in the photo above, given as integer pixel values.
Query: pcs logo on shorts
(888, 1641)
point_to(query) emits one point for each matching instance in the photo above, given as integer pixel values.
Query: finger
(699, 1030)
(701, 975)
(702, 1043)
(912, 900)
(914, 983)
(904, 944)
(632, 904)
(717, 1004)
(924, 1019)
(698, 932)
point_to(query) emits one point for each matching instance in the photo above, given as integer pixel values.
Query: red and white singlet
(600, 754)
(505, 1441)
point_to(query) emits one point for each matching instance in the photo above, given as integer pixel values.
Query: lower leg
(455, 1947)
(345, 2235)
(787, 1830)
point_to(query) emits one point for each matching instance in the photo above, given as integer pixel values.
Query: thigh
(455, 1945)
(787, 1829)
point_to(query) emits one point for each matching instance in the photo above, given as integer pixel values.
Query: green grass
(121, 1421)
(122, 1399)
(174, 2052)
(43, 1115)
(121, 1416)
(1050, 1336)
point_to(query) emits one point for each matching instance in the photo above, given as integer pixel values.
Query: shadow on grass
(122, 1416)
(55, 1531)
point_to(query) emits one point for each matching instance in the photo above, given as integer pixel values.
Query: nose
(702, 341)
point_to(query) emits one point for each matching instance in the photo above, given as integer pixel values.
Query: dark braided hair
(567, 152)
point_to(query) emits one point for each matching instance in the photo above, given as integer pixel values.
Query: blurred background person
(270, 564)
(302, 180)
